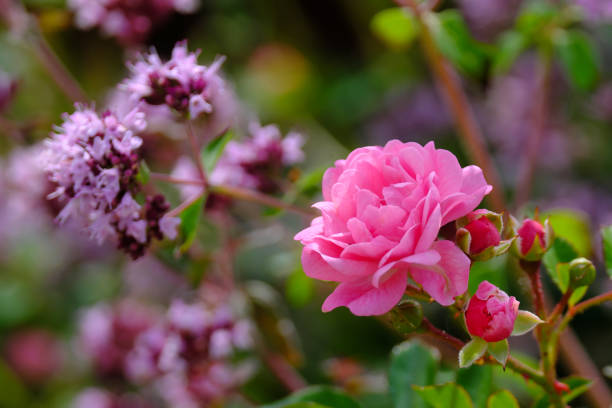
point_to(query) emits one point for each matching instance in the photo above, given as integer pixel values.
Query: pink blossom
(383, 208)
(181, 84)
(34, 354)
(258, 161)
(491, 313)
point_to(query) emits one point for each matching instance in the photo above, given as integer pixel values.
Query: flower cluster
(381, 215)
(258, 161)
(108, 333)
(181, 83)
(130, 21)
(94, 162)
(188, 354)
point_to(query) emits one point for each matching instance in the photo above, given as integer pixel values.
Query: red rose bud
(561, 388)
(479, 235)
(491, 313)
(533, 239)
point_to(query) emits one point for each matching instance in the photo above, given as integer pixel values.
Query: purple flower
(258, 161)
(130, 21)
(8, 88)
(596, 10)
(189, 354)
(100, 398)
(180, 83)
(108, 333)
(93, 160)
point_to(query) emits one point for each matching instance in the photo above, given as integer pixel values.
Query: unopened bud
(581, 272)
(533, 240)
(479, 235)
(406, 317)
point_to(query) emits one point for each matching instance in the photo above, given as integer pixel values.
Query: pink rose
(491, 313)
(383, 208)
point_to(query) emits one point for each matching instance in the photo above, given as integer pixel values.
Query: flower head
(491, 313)
(532, 239)
(188, 353)
(258, 161)
(130, 21)
(93, 160)
(383, 208)
(181, 84)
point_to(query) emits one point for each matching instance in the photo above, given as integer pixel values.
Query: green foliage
(406, 317)
(310, 183)
(144, 173)
(502, 399)
(578, 57)
(509, 47)
(477, 381)
(190, 219)
(456, 43)
(494, 270)
(500, 351)
(322, 396)
(299, 288)
(445, 396)
(577, 387)
(213, 151)
(472, 351)
(412, 363)
(396, 27)
(535, 18)
(573, 226)
(606, 236)
(525, 322)
(556, 261)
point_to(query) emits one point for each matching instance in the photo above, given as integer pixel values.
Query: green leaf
(143, 173)
(299, 288)
(535, 16)
(472, 351)
(556, 261)
(444, 396)
(396, 27)
(412, 363)
(319, 394)
(606, 236)
(213, 151)
(190, 219)
(577, 387)
(477, 381)
(306, 405)
(456, 43)
(577, 295)
(511, 45)
(500, 351)
(525, 322)
(502, 399)
(578, 57)
(311, 181)
(574, 227)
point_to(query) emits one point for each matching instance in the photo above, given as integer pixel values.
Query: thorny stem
(457, 101)
(532, 268)
(528, 372)
(540, 116)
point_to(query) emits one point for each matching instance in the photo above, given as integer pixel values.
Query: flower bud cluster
(107, 333)
(101, 398)
(258, 161)
(181, 83)
(188, 354)
(130, 21)
(94, 162)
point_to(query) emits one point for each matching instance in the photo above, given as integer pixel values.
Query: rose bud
(491, 313)
(533, 240)
(581, 273)
(479, 235)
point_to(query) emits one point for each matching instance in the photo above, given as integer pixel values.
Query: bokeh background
(344, 76)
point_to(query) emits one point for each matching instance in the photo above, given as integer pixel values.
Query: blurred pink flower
(383, 208)
(34, 354)
(130, 21)
(491, 313)
(258, 161)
